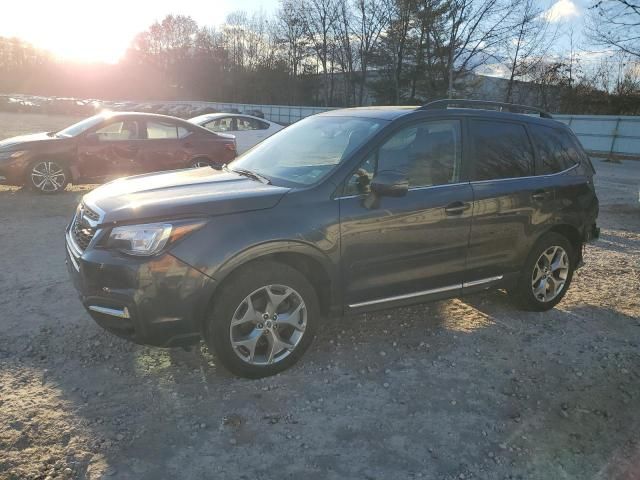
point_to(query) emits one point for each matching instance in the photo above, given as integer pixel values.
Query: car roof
(157, 116)
(382, 113)
(394, 112)
(212, 116)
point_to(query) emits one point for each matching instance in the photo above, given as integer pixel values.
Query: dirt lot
(452, 390)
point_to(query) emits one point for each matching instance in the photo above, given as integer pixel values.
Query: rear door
(509, 202)
(250, 132)
(164, 147)
(558, 158)
(411, 247)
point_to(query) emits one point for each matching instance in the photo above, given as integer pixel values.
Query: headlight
(150, 238)
(12, 155)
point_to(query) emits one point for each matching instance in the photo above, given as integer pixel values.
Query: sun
(70, 33)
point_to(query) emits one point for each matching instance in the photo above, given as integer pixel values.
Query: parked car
(108, 146)
(247, 129)
(343, 212)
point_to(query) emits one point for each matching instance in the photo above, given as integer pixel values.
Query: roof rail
(500, 106)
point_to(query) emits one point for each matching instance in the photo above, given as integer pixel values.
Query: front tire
(263, 319)
(547, 273)
(48, 176)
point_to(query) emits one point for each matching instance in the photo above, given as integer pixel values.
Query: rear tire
(546, 275)
(263, 319)
(47, 176)
(201, 162)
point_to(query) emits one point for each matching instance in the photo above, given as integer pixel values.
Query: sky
(84, 30)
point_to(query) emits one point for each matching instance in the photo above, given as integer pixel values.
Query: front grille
(83, 228)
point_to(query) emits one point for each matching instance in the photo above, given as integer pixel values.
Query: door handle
(540, 195)
(456, 208)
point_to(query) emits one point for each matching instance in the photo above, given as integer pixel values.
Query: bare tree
(475, 28)
(370, 19)
(616, 24)
(292, 34)
(320, 20)
(396, 40)
(531, 41)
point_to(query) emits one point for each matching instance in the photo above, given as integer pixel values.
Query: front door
(413, 247)
(110, 151)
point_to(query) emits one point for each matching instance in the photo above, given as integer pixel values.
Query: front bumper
(157, 301)
(592, 234)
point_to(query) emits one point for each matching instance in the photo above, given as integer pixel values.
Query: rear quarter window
(502, 150)
(557, 150)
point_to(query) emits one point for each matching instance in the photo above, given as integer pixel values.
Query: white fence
(598, 133)
(605, 133)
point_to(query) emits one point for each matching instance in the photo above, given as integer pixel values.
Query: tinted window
(428, 152)
(503, 150)
(556, 149)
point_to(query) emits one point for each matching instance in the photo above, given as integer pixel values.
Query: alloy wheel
(268, 325)
(550, 274)
(48, 177)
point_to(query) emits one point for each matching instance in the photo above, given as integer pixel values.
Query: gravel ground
(450, 390)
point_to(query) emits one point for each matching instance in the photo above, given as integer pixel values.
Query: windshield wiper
(249, 173)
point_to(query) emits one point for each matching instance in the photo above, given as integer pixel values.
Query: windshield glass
(83, 125)
(308, 150)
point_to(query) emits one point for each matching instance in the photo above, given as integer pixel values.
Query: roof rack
(500, 106)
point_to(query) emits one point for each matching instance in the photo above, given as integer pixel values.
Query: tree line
(358, 52)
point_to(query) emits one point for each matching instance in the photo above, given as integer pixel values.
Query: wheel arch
(308, 260)
(573, 235)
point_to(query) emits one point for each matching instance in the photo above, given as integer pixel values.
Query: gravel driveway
(450, 390)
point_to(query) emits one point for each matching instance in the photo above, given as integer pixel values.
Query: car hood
(24, 139)
(181, 193)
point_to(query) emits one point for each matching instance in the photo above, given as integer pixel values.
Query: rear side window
(503, 150)
(161, 130)
(245, 123)
(556, 149)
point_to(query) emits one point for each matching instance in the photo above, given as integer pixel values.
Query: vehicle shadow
(453, 387)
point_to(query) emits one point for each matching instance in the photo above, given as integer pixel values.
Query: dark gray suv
(343, 212)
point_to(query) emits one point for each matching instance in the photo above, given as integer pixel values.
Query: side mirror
(390, 183)
(91, 139)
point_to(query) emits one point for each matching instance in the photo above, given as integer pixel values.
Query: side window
(161, 130)
(556, 149)
(245, 123)
(428, 152)
(224, 124)
(183, 132)
(120, 130)
(502, 150)
(359, 182)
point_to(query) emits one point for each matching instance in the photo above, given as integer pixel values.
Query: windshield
(308, 150)
(83, 125)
